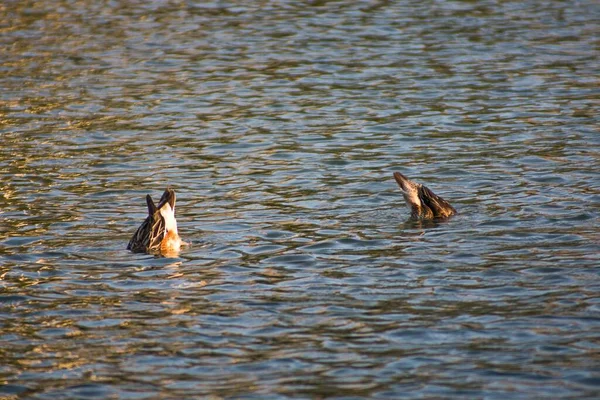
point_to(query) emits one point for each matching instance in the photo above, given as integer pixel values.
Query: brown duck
(158, 233)
(423, 203)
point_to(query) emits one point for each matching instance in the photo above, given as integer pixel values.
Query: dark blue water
(279, 125)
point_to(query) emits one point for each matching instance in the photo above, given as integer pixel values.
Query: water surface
(279, 125)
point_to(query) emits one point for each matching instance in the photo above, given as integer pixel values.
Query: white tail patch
(411, 194)
(168, 214)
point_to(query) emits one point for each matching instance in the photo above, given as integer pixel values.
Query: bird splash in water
(423, 203)
(158, 233)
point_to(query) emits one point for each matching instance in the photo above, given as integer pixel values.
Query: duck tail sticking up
(423, 203)
(158, 233)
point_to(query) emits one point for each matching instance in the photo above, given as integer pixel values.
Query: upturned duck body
(423, 203)
(158, 233)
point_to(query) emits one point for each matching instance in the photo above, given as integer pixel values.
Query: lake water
(279, 125)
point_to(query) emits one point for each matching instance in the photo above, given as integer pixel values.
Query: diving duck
(423, 203)
(158, 233)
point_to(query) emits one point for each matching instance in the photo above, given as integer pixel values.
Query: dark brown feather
(439, 207)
